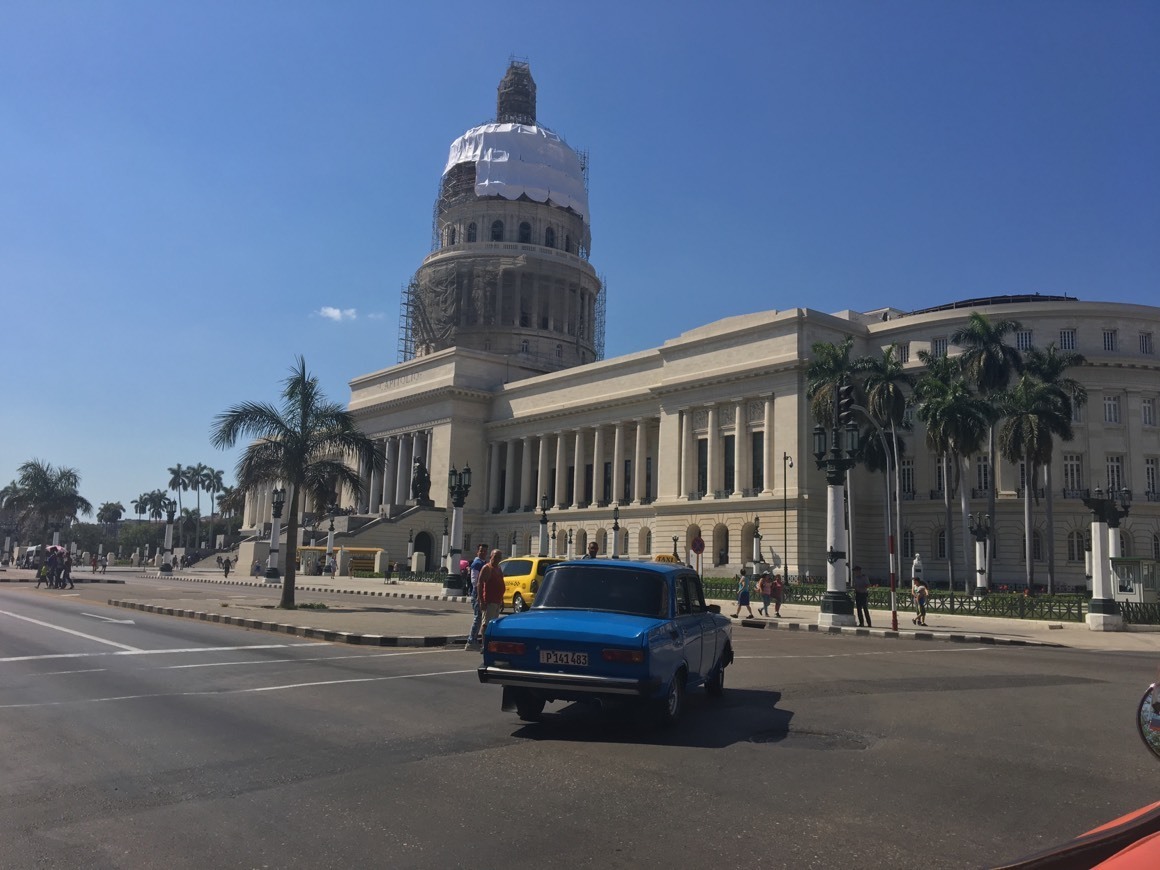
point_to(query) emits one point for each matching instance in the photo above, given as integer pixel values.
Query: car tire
(518, 605)
(529, 708)
(669, 708)
(715, 685)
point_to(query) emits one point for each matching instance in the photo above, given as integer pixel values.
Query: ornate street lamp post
(555, 542)
(616, 531)
(570, 554)
(675, 539)
(786, 465)
(837, 608)
(515, 543)
(980, 525)
(55, 526)
(167, 558)
(330, 538)
(757, 543)
(278, 500)
(458, 487)
(1107, 511)
(543, 525)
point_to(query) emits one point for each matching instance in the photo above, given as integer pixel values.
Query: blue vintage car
(610, 631)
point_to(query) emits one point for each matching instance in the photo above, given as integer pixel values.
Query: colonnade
(392, 485)
(712, 423)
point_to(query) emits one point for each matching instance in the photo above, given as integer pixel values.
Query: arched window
(1076, 545)
(497, 231)
(1156, 546)
(568, 244)
(908, 544)
(471, 231)
(451, 235)
(525, 233)
(1036, 547)
(559, 351)
(549, 238)
(646, 542)
(940, 544)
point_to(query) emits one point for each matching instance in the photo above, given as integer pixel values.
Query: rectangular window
(1148, 412)
(730, 454)
(648, 478)
(903, 351)
(702, 464)
(626, 497)
(1109, 340)
(983, 473)
(938, 346)
(758, 463)
(938, 477)
(908, 414)
(906, 475)
(1023, 339)
(606, 487)
(1073, 471)
(1111, 409)
(1150, 474)
(1067, 339)
(1022, 475)
(1146, 343)
(1115, 465)
(1076, 412)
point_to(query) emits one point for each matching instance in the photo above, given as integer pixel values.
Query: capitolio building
(501, 369)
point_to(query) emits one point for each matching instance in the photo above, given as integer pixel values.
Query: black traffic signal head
(845, 403)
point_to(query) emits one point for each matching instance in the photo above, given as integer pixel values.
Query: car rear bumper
(593, 684)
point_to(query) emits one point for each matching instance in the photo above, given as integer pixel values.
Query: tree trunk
(1050, 513)
(1028, 531)
(991, 502)
(287, 601)
(948, 538)
(965, 531)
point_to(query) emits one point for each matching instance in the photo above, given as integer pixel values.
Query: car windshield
(516, 567)
(618, 590)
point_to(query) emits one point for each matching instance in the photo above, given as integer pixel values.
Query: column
(767, 487)
(390, 471)
(527, 497)
(542, 474)
(618, 463)
(578, 470)
(687, 457)
(402, 478)
(597, 466)
(638, 478)
(376, 493)
(713, 469)
(428, 447)
(509, 479)
(738, 449)
(561, 468)
(364, 479)
(493, 501)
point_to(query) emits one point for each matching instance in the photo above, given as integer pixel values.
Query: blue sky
(185, 187)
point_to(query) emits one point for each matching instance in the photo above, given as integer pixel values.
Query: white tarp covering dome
(516, 159)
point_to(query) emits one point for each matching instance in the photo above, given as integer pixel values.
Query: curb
(33, 580)
(896, 635)
(298, 630)
(460, 599)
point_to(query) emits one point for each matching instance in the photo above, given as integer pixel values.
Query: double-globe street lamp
(458, 487)
(330, 539)
(1107, 511)
(786, 465)
(543, 526)
(278, 500)
(837, 608)
(980, 525)
(616, 531)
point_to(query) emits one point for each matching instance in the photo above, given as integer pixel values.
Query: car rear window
(617, 590)
(516, 567)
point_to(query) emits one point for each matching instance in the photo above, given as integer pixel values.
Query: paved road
(173, 743)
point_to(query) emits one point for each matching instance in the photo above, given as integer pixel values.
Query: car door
(690, 624)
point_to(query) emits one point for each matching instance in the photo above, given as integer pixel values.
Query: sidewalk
(418, 614)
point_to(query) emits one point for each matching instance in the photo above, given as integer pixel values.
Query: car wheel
(715, 685)
(529, 708)
(518, 605)
(670, 706)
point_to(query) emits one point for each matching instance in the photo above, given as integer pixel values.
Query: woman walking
(778, 594)
(920, 594)
(743, 595)
(765, 587)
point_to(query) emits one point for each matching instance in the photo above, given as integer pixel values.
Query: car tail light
(627, 656)
(506, 647)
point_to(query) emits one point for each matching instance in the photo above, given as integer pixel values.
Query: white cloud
(337, 314)
(376, 315)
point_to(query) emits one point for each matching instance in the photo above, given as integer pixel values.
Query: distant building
(501, 370)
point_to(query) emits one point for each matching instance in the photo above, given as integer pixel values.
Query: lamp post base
(837, 609)
(980, 591)
(272, 575)
(453, 585)
(1104, 615)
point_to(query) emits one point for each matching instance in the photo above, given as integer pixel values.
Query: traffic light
(845, 404)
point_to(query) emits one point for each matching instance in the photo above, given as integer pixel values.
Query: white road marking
(108, 618)
(123, 646)
(417, 652)
(59, 673)
(150, 652)
(254, 690)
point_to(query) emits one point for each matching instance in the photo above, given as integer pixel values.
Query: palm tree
(212, 481)
(194, 476)
(141, 504)
(158, 502)
(988, 363)
(45, 495)
(231, 500)
(830, 369)
(109, 514)
(179, 482)
(956, 425)
(1033, 412)
(1048, 366)
(300, 445)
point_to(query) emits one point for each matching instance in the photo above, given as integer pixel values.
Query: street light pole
(555, 542)
(675, 539)
(570, 553)
(786, 464)
(837, 608)
(278, 499)
(330, 539)
(543, 525)
(616, 531)
(1104, 613)
(757, 542)
(167, 558)
(980, 526)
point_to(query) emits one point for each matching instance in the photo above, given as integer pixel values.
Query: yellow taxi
(522, 576)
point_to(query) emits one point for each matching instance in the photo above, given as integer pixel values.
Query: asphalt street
(138, 740)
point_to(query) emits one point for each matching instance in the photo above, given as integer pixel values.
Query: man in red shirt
(491, 588)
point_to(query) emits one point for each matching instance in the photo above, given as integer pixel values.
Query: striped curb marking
(379, 593)
(298, 630)
(885, 632)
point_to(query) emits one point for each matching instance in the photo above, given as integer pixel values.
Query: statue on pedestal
(421, 484)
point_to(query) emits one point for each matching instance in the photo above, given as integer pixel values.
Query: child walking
(743, 595)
